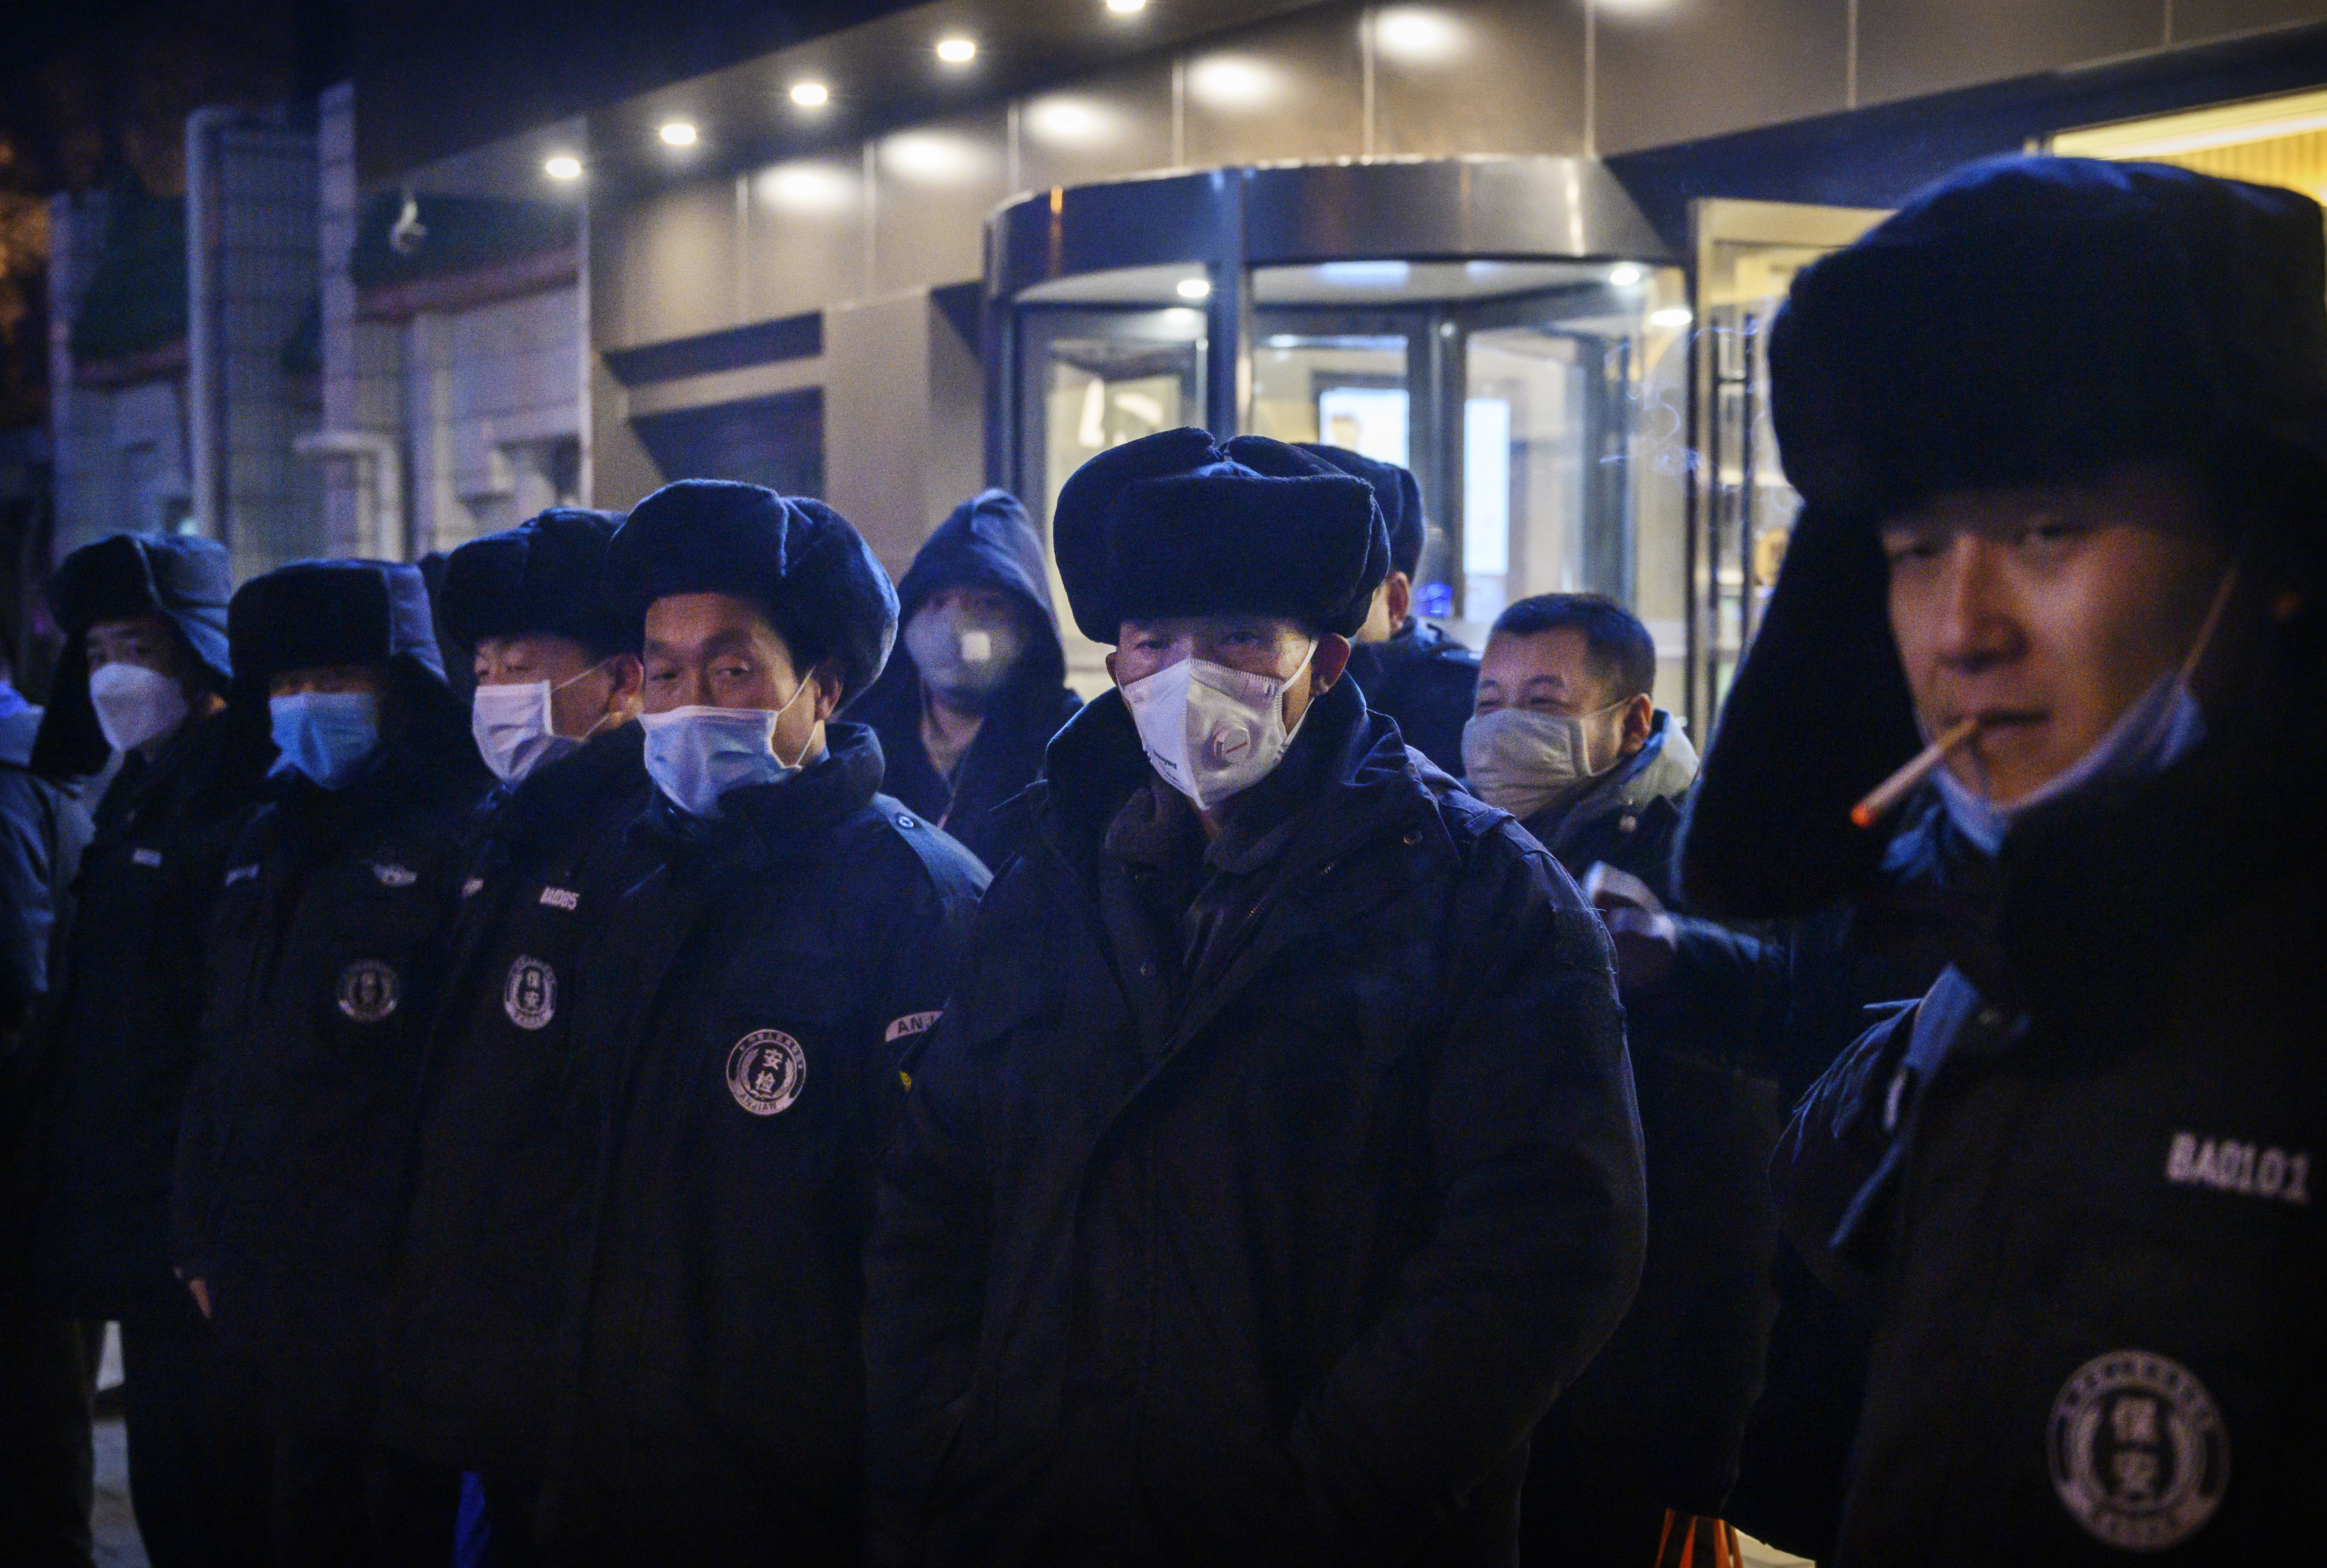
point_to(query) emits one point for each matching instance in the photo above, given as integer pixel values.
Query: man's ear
(1638, 718)
(627, 676)
(1110, 666)
(1326, 664)
(1398, 599)
(826, 678)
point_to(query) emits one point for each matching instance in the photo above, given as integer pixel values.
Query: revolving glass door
(1542, 406)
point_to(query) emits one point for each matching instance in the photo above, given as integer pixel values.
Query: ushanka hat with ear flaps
(1173, 524)
(820, 584)
(1396, 492)
(317, 614)
(186, 580)
(2026, 322)
(545, 576)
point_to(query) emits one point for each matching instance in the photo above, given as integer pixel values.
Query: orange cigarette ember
(1887, 794)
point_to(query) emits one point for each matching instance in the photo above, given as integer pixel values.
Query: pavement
(111, 1524)
(118, 1546)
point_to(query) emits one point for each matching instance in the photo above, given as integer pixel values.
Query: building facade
(1527, 246)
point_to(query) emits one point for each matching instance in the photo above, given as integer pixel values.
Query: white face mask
(2163, 726)
(514, 729)
(135, 705)
(696, 754)
(1212, 731)
(964, 655)
(1520, 761)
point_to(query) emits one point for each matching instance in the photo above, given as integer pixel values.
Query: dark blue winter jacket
(747, 995)
(1255, 1221)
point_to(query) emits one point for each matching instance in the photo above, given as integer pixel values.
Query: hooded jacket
(122, 1027)
(119, 1033)
(1266, 1234)
(323, 960)
(507, 1121)
(42, 827)
(746, 995)
(986, 542)
(186, 580)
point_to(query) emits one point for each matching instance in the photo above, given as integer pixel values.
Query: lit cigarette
(1887, 794)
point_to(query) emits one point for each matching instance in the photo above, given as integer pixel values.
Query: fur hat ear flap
(1819, 715)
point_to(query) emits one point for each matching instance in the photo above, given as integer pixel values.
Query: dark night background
(96, 91)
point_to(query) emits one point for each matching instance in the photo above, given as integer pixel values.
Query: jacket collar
(548, 801)
(1661, 770)
(774, 819)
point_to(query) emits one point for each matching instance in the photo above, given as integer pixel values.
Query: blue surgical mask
(325, 736)
(2163, 726)
(696, 754)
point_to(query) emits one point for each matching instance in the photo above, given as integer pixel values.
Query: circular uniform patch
(765, 1071)
(2139, 1454)
(530, 997)
(368, 991)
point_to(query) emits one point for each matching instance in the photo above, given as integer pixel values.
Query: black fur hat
(330, 612)
(1397, 494)
(545, 576)
(821, 584)
(1173, 524)
(186, 580)
(2027, 320)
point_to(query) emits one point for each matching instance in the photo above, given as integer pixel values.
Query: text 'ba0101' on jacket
(2076, 1184)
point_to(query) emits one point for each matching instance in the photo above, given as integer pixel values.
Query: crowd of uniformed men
(731, 1091)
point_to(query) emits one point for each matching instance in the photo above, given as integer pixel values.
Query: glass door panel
(1093, 379)
(1573, 452)
(1741, 507)
(1348, 390)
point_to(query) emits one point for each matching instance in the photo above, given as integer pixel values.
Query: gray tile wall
(252, 265)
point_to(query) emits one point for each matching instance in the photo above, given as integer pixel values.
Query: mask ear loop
(1281, 688)
(807, 681)
(2198, 649)
(561, 685)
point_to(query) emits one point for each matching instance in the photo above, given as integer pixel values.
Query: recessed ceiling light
(1625, 274)
(563, 167)
(812, 95)
(1125, 7)
(1671, 316)
(1195, 288)
(679, 133)
(956, 51)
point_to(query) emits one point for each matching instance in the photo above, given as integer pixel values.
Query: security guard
(142, 676)
(1240, 1213)
(468, 1368)
(2062, 524)
(1409, 669)
(783, 931)
(977, 685)
(323, 965)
